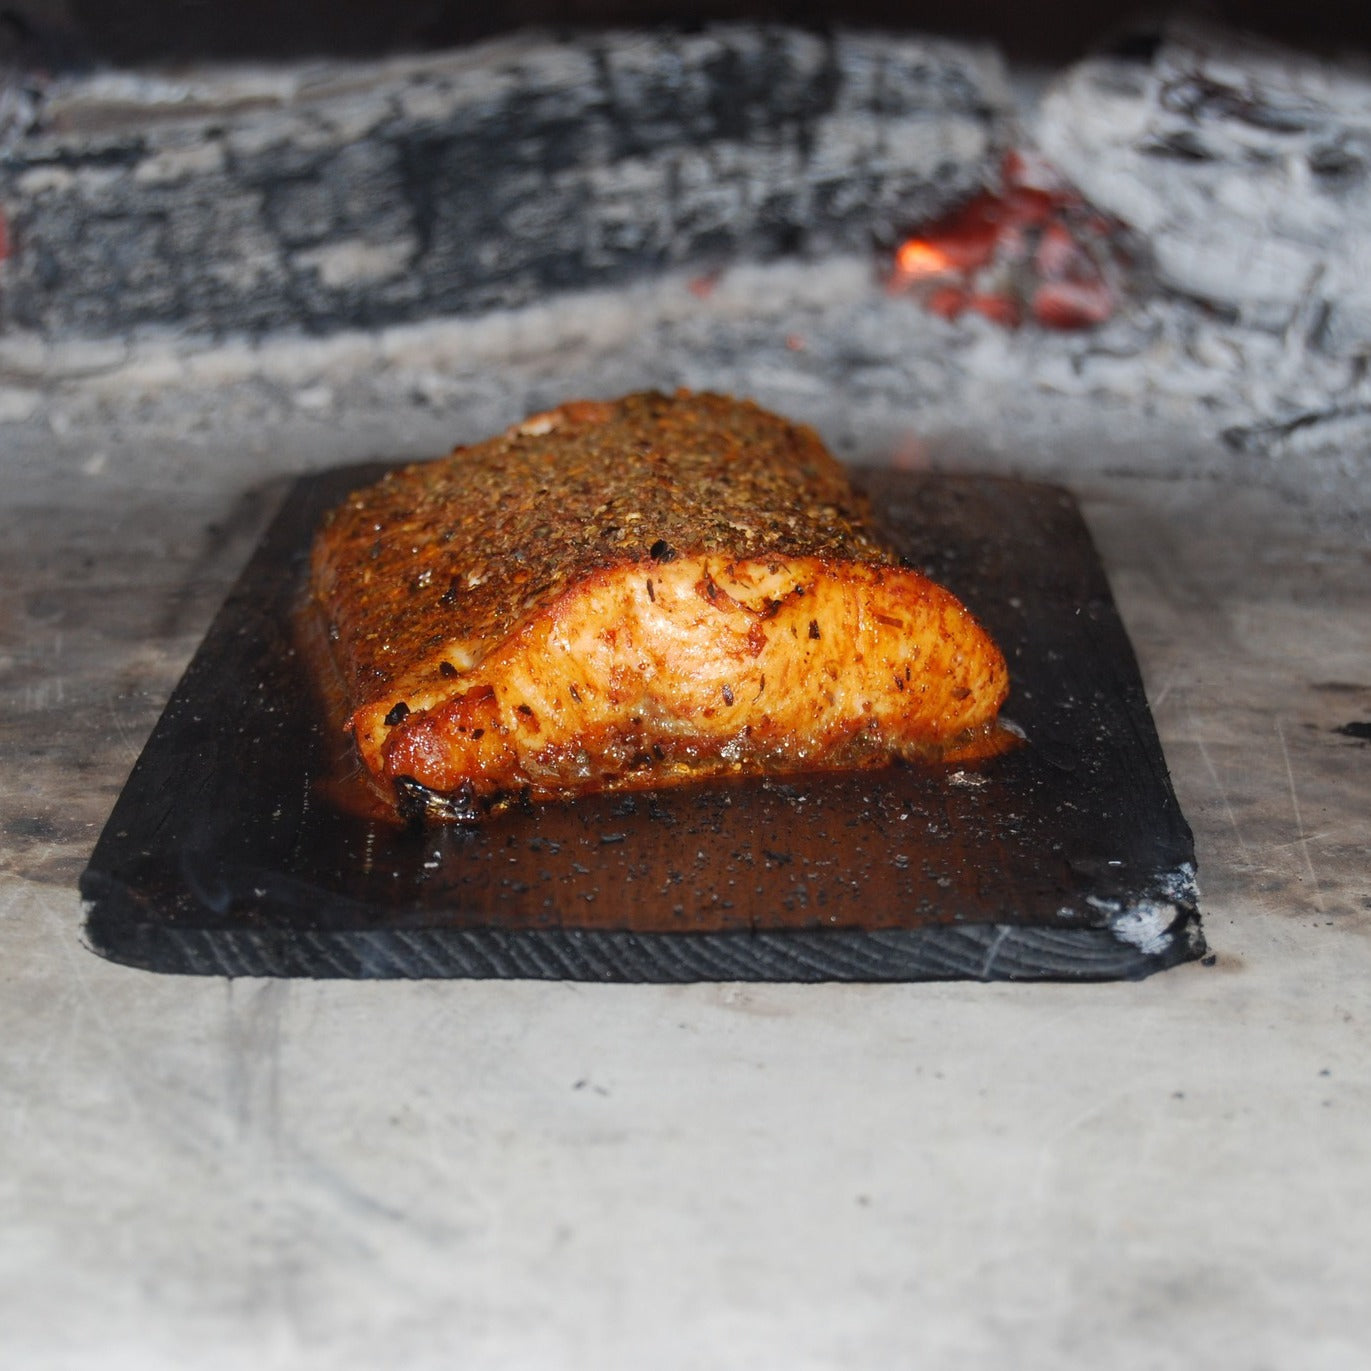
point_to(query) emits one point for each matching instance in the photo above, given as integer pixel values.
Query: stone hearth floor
(1165, 1174)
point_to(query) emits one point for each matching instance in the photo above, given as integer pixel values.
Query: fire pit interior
(236, 256)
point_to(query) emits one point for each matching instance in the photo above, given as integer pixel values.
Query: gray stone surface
(1166, 1175)
(326, 195)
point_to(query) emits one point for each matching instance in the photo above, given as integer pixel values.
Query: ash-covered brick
(326, 197)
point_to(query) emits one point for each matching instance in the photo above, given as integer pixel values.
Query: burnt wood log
(327, 196)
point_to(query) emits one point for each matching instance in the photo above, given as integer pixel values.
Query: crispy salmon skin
(630, 594)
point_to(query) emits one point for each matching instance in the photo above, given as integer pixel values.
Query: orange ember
(1033, 251)
(917, 257)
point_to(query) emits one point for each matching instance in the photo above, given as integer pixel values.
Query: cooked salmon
(632, 594)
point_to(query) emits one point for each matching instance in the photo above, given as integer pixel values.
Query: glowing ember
(915, 257)
(1034, 251)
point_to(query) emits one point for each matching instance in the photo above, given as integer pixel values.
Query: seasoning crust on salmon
(630, 594)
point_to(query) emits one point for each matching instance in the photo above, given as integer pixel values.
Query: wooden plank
(1067, 858)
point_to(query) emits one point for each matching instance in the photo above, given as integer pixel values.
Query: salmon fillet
(631, 594)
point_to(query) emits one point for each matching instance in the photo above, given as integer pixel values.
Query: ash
(1244, 357)
(1244, 167)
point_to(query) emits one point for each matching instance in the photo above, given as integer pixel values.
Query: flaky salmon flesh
(632, 594)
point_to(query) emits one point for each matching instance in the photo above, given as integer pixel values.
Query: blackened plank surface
(1067, 858)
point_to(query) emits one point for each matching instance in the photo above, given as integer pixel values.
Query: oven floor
(215, 1173)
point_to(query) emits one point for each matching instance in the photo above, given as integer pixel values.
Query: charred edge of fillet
(419, 806)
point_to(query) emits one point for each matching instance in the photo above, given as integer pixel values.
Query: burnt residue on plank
(1067, 858)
